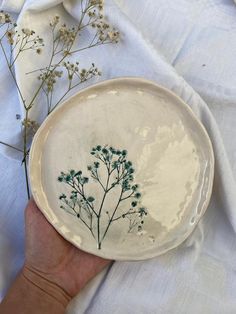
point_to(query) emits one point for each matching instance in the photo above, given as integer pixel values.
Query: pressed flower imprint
(114, 175)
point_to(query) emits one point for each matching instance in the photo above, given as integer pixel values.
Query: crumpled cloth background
(188, 46)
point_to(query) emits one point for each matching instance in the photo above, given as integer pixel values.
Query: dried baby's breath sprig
(69, 70)
(98, 3)
(20, 41)
(31, 125)
(26, 40)
(54, 21)
(58, 67)
(66, 36)
(10, 36)
(4, 18)
(49, 79)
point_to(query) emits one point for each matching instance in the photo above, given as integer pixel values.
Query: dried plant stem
(24, 160)
(63, 39)
(13, 147)
(25, 157)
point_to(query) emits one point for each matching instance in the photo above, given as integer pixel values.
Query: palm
(55, 258)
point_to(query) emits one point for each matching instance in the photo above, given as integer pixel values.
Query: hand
(53, 258)
(54, 270)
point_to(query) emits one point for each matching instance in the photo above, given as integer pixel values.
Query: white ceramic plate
(123, 169)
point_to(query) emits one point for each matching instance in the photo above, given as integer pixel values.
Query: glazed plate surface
(123, 169)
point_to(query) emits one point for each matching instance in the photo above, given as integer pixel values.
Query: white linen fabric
(189, 47)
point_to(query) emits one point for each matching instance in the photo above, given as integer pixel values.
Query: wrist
(49, 288)
(32, 294)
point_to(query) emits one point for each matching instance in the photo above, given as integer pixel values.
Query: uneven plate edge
(147, 83)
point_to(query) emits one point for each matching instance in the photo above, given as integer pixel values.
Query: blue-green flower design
(119, 176)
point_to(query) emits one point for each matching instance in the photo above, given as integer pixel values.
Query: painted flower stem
(111, 219)
(100, 210)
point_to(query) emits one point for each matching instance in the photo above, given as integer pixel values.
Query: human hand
(54, 270)
(54, 259)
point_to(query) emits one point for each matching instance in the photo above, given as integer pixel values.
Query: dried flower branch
(58, 67)
(119, 177)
